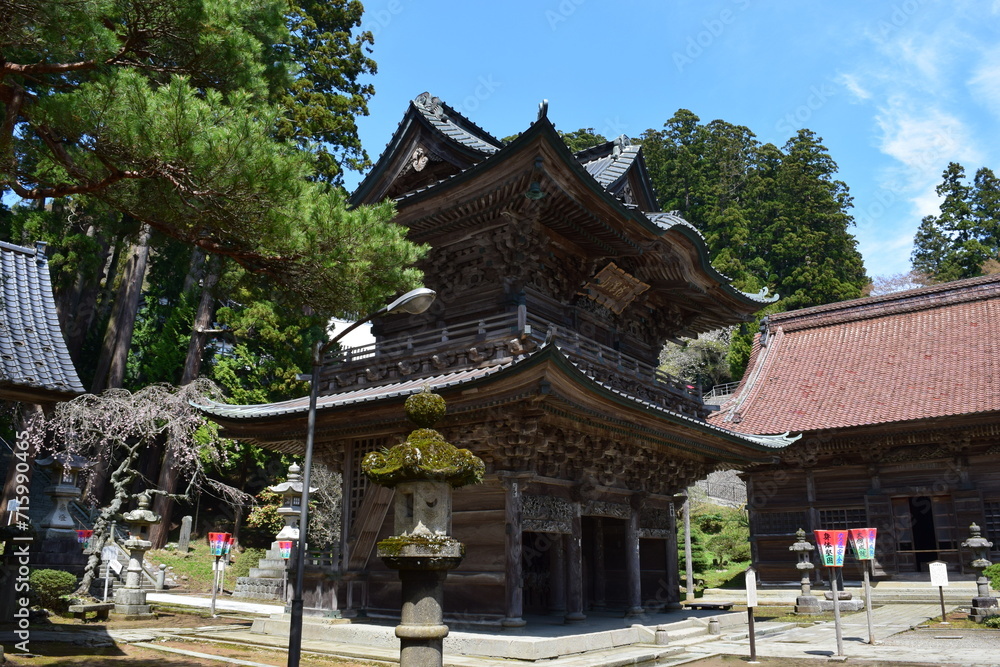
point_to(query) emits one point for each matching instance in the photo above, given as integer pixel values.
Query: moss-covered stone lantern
(984, 604)
(423, 470)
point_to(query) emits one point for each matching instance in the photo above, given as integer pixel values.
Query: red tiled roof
(926, 353)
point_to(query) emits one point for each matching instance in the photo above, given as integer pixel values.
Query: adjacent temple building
(558, 282)
(897, 401)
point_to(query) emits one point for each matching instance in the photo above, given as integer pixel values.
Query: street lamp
(413, 302)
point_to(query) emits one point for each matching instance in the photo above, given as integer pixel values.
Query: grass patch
(729, 577)
(192, 570)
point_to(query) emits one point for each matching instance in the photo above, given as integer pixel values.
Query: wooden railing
(519, 324)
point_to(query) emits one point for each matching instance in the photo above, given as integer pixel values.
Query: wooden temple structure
(898, 403)
(558, 282)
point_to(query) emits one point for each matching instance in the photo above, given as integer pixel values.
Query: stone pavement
(221, 604)
(940, 647)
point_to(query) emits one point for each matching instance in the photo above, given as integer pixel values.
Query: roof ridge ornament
(543, 109)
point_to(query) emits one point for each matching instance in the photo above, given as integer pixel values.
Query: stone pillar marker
(806, 602)
(184, 541)
(984, 604)
(131, 600)
(423, 470)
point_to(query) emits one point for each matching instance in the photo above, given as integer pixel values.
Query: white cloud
(984, 84)
(853, 85)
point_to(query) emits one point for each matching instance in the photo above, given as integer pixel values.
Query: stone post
(423, 470)
(131, 600)
(806, 602)
(984, 604)
(184, 541)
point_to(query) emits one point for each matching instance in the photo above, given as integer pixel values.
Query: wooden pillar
(557, 575)
(574, 569)
(673, 566)
(513, 574)
(632, 565)
(600, 576)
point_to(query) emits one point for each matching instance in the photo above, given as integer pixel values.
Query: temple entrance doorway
(605, 580)
(925, 532)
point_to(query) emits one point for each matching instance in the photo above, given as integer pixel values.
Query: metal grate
(991, 512)
(842, 519)
(359, 481)
(778, 523)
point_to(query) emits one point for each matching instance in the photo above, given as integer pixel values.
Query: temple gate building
(558, 282)
(897, 399)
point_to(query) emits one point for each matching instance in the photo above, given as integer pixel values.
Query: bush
(992, 622)
(993, 574)
(49, 588)
(244, 561)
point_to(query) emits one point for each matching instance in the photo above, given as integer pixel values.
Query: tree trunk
(120, 480)
(167, 481)
(118, 337)
(80, 305)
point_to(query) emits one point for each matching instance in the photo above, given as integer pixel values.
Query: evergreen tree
(964, 237)
(771, 217)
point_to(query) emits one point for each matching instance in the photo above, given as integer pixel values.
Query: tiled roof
(609, 161)
(34, 361)
(922, 354)
(407, 387)
(454, 125)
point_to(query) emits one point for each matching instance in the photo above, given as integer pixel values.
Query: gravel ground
(937, 639)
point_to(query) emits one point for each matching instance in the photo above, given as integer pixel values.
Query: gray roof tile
(33, 354)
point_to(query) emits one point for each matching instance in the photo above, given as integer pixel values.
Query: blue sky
(895, 89)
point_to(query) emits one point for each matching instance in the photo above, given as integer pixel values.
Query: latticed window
(842, 519)
(778, 523)
(992, 527)
(359, 482)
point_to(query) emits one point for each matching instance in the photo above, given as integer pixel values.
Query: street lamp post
(413, 302)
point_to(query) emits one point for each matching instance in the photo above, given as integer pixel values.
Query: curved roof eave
(299, 407)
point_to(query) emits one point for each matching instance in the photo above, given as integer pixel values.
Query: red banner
(831, 545)
(863, 542)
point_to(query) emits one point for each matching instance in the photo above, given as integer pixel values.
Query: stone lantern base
(983, 608)
(807, 604)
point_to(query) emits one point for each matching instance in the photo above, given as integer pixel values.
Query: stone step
(266, 573)
(259, 588)
(271, 563)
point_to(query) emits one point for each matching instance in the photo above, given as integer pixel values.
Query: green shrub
(48, 588)
(993, 574)
(246, 560)
(701, 558)
(992, 622)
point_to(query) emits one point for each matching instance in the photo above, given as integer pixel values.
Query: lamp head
(413, 302)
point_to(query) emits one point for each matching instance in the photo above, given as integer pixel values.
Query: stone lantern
(131, 600)
(65, 472)
(983, 605)
(291, 503)
(423, 470)
(806, 602)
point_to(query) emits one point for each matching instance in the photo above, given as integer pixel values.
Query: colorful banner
(217, 542)
(863, 542)
(83, 537)
(286, 549)
(831, 545)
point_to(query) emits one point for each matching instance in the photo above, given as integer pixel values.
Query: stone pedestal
(131, 600)
(983, 608)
